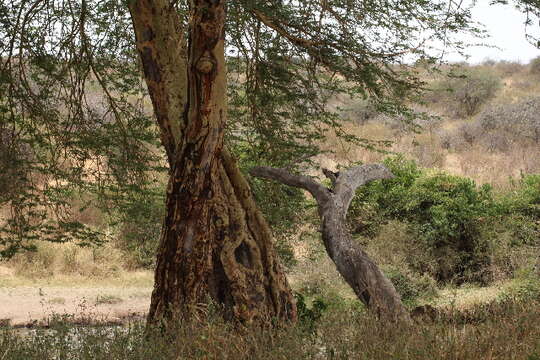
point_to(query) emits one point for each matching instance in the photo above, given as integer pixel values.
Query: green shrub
(457, 231)
(519, 213)
(526, 199)
(465, 91)
(535, 66)
(411, 288)
(309, 315)
(444, 213)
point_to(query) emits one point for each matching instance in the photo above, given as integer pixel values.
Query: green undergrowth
(448, 227)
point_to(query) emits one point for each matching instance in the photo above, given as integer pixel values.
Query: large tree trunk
(363, 275)
(215, 245)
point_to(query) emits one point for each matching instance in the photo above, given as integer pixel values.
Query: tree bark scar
(148, 34)
(150, 67)
(206, 64)
(188, 239)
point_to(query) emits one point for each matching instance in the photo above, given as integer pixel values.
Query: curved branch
(349, 180)
(366, 279)
(319, 192)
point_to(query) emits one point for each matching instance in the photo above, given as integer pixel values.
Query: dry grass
(506, 331)
(467, 297)
(470, 160)
(68, 264)
(138, 278)
(53, 259)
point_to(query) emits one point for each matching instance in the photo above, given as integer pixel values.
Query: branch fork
(370, 285)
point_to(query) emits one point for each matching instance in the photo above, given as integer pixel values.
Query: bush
(518, 122)
(525, 199)
(411, 288)
(466, 91)
(519, 213)
(361, 111)
(456, 231)
(497, 128)
(535, 66)
(445, 214)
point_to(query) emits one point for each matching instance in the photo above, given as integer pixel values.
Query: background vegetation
(458, 228)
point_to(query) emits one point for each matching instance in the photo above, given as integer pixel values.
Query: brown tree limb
(318, 191)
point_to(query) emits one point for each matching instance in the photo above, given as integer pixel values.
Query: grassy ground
(505, 331)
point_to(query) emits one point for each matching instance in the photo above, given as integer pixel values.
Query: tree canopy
(74, 108)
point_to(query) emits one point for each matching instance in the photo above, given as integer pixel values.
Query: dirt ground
(38, 302)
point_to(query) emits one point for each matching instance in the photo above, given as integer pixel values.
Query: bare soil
(24, 303)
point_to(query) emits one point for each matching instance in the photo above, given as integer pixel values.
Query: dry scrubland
(488, 130)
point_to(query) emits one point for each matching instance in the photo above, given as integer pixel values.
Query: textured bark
(161, 44)
(215, 245)
(356, 267)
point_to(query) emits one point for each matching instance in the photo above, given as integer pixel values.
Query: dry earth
(26, 302)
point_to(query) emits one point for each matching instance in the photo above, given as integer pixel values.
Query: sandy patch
(27, 305)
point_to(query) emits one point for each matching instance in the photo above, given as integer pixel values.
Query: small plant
(108, 299)
(535, 66)
(309, 316)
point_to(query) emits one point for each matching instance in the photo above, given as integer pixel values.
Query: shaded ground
(26, 302)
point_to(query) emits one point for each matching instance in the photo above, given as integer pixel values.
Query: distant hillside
(488, 127)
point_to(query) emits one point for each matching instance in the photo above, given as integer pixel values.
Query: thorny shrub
(464, 91)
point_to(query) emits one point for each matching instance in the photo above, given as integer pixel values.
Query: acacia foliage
(76, 113)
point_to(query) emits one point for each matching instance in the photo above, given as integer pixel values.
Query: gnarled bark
(215, 244)
(359, 271)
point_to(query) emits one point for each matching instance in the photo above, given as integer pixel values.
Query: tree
(288, 60)
(362, 274)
